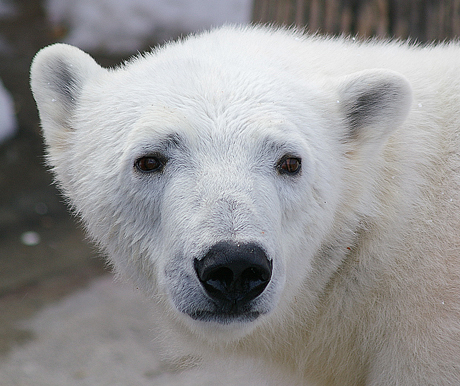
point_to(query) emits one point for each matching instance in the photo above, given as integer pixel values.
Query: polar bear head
(217, 181)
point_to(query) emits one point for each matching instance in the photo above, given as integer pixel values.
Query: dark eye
(150, 164)
(289, 165)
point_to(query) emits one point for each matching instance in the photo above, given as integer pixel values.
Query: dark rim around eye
(150, 164)
(290, 165)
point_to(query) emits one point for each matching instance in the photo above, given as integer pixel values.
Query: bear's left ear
(57, 76)
(374, 103)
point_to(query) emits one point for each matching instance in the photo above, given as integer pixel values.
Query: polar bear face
(213, 184)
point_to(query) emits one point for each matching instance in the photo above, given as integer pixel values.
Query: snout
(232, 275)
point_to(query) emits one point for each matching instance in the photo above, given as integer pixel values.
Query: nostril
(255, 274)
(217, 281)
(234, 273)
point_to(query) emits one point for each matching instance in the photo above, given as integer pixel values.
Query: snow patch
(118, 26)
(7, 9)
(8, 124)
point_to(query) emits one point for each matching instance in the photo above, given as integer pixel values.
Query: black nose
(234, 274)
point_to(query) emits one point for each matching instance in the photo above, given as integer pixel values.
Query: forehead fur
(213, 72)
(206, 91)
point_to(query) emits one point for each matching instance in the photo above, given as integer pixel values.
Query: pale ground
(100, 336)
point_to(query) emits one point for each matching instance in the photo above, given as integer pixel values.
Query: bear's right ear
(374, 103)
(57, 76)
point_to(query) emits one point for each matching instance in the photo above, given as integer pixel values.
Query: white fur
(364, 241)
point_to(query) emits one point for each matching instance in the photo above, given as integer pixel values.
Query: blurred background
(44, 258)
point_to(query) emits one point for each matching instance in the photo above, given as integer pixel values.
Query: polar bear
(279, 196)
